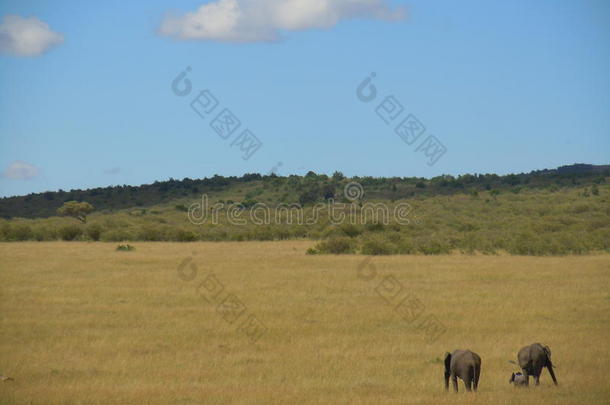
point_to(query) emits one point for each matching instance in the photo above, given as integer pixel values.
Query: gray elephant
(532, 359)
(464, 364)
(518, 379)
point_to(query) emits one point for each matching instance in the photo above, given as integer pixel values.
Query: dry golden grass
(83, 324)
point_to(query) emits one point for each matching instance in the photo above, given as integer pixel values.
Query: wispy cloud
(26, 36)
(19, 170)
(263, 20)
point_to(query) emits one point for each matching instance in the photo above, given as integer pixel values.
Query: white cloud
(26, 36)
(261, 20)
(20, 170)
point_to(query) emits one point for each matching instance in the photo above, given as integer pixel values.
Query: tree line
(306, 189)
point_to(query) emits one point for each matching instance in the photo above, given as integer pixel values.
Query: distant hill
(252, 188)
(577, 168)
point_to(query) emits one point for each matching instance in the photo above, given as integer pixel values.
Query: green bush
(594, 189)
(374, 226)
(19, 233)
(262, 233)
(336, 246)
(69, 232)
(5, 230)
(152, 233)
(40, 234)
(94, 231)
(350, 230)
(184, 235)
(377, 246)
(527, 243)
(433, 247)
(115, 235)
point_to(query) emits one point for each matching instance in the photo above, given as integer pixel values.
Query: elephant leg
(454, 382)
(537, 373)
(526, 376)
(550, 367)
(468, 380)
(477, 374)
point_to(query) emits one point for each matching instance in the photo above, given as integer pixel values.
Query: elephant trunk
(550, 367)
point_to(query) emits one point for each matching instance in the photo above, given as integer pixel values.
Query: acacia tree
(78, 210)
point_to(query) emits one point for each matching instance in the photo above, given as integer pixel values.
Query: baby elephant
(532, 359)
(464, 364)
(518, 379)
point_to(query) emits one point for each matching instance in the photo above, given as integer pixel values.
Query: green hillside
(540, 213)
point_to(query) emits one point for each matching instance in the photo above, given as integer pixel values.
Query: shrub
(312, 251)
(377, 246)
(260, 232)
(374, 226)
(39, 234)
(115, 235)
(5, 229)
(433, 247)
(69, 232)
(580, 208)
(405, 247)
(350, 230)
(184, 235)
(595, 189)
(94, 232)
(526, 243)
(19, 232)
(466, 227)
(336, 246)
(151, 233)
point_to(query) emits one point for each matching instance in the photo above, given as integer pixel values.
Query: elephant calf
(518, 379)
(464, 364)
(532, 359)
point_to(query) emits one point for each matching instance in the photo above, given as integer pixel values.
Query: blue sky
(504, 86)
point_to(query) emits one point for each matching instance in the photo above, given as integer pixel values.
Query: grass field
(81, 323)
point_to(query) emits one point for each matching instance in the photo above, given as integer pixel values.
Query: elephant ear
(547, 350)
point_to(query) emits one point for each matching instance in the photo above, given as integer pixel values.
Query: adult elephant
(532, 359)
(464, 364)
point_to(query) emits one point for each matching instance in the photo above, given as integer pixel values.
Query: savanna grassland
(81, 323)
